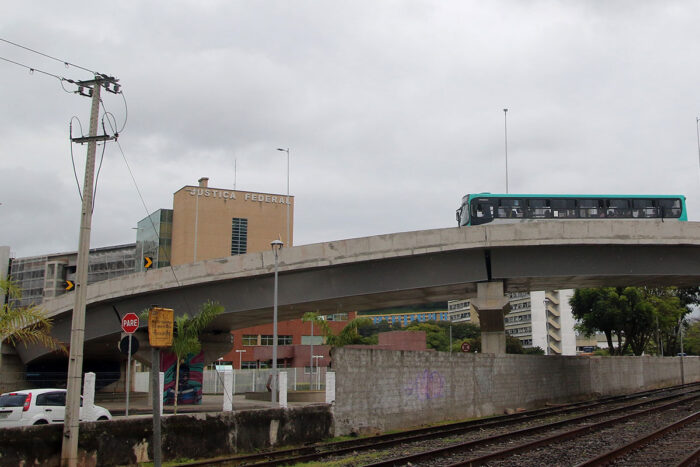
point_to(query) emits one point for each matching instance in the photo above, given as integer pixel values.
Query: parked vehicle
(41, 407)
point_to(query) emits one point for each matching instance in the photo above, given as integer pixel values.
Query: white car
(42, 406)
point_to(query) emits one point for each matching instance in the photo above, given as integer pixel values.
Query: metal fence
(255, 380)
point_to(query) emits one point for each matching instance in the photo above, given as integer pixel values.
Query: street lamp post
(289, 243)
(697, 132)
(505, 127)
(240, 358)
(276, 246)
(546, 327)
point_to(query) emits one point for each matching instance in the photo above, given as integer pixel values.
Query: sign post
(160, 334)
(130, 323)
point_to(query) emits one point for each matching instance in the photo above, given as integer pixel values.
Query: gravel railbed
(589, 446)
(670, 449)
(364, 457)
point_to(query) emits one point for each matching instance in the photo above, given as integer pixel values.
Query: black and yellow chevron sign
(147, 262)
(69, 285)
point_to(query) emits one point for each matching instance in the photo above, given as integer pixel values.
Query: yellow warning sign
(147, 262)
(160, 327)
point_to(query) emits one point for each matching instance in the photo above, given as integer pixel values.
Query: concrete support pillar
(228, 391)
(492, 305)
(283, 389)
(330, 387)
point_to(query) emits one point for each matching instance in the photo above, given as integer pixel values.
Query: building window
(250, 339)
(239, 236)
(268, 339)
(337, 317)
(308, 340)
(249, 365)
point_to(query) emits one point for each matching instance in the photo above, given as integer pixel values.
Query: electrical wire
(72, 159)
(145, 208)
(65, 62)
(126, 112)
(99, 168)
(61, 79)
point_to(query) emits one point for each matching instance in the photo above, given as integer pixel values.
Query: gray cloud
(392, 110)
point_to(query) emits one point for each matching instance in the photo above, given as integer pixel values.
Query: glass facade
(42, 277)
(111, 262)
(29, 273)
(154, 239)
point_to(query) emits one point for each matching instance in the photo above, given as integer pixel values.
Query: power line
(143, 202)
(61, 79)
(65, 62)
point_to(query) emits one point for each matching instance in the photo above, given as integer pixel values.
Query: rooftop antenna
(235, 161)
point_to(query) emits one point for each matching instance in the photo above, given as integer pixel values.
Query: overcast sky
(392, 110)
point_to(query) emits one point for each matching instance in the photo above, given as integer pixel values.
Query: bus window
(563, 208)
(642, 208)
(539, 209)
(482, 211)
(590, 208)
(670, 207)
(509, 207)
(618, 208)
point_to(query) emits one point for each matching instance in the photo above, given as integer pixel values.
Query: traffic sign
(130, 323)
(147, 262)
(69, 285)
(124, 345)
(466, 347)
(160, 327)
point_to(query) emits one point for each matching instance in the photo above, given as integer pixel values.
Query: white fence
(249, 380)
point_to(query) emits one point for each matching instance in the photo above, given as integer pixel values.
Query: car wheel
(102, 418)
(41, 422)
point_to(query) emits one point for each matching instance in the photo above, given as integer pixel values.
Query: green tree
(186, 333)
(632, 315)
(435, 336)
(28, 325)
(595, 309)
(460, 331)
(691, 339)
(349, 334)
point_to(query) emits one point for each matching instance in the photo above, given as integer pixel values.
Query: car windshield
(12, 400)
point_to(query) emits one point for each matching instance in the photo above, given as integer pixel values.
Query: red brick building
(252, 347)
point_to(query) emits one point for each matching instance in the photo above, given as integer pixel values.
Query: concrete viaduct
(482, 262)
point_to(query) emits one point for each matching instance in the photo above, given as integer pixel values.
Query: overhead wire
(61, 79)
(65, 62)
(107, 115)
(72, 158)
(145, 207)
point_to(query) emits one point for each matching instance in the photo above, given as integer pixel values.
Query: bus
(484, 208)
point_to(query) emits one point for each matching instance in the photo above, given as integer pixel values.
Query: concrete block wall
(384, 390)
(127, 441)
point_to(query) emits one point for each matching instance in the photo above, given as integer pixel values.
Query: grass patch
(171, 463)
(350, 461)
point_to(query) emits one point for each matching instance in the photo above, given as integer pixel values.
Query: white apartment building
(538, 319)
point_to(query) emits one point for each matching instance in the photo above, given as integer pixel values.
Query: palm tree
(186, 336)
(28, 325)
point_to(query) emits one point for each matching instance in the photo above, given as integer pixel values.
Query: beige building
(215, 223)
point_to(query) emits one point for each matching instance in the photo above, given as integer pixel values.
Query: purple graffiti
(427, 385)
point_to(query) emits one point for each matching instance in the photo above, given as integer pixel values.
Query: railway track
(471, 436)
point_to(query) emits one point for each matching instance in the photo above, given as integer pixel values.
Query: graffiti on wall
(427, 385)
(190, 381)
